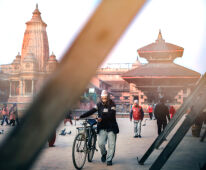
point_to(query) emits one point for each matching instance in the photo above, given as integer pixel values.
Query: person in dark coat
(12, 116)
(161, 113)
(107, 127)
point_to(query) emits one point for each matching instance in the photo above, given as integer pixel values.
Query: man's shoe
(109, 163)
(103, 158)
(139, 136)
(135, 136)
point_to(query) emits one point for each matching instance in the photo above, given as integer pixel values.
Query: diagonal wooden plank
(173, 122)
(182, 110)
(197, 107)
(68, 82)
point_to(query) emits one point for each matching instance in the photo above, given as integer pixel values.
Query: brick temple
(21, 80)
(160, 77)
(29, 69)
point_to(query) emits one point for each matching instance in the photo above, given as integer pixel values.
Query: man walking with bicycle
(107, 126)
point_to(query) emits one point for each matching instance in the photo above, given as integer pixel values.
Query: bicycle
(84, 144)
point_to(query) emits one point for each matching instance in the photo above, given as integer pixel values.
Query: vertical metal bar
(180, 112)
(197, 109)
(62, 90)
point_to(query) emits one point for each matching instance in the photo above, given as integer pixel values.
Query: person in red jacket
(150, 111)
(137, 114)
(172, 111)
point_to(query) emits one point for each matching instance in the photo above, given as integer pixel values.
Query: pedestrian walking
(16, 114)
(172, 111)
(150, 111)
(52, 139)
(107, 127)
(137, 114)
(68, 117)
(5, 114)
(11, 117)
(161, 113)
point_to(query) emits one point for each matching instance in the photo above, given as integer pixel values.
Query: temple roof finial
(159, 38)
(37, 6)
(159, 35)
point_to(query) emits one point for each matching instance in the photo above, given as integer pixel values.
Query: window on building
(116, 98)
(28, 86)
(135, 97)
(126, 97)
(15, 88)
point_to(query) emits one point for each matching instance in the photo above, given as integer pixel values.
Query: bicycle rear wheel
(79, 151)
(92, 147)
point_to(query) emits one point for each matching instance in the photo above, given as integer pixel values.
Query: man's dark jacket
(108, 114)
(161, 112)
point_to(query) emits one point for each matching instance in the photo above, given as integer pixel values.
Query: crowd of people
(9, 115)
(107, 126)
(161, 113)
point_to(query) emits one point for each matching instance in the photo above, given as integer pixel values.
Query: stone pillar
(10, 88)
(21, 87)
(32, 87)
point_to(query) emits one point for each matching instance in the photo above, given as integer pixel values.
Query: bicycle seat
(92, 122)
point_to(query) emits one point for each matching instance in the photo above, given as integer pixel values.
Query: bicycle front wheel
(92, 147)
(79, 151)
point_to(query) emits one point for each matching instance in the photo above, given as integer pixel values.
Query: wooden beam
(198, 105)
(173, 122)
(68, 82)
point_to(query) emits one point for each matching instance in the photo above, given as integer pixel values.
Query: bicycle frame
(88, 131)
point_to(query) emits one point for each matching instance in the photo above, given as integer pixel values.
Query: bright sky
(182, 22)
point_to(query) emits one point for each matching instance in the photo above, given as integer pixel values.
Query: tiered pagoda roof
(161, 74)
(160, 56)
(160, 51)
